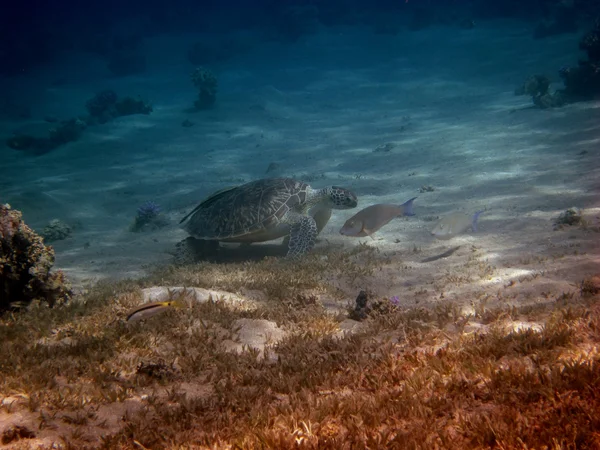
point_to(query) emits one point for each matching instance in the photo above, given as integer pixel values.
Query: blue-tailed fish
(454, 224)
(151, 309)
(372, 218)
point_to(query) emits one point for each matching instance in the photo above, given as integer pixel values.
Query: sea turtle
(268, 209)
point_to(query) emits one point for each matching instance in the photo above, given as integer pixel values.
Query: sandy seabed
(319, 109)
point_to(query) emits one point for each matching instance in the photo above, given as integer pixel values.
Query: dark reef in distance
(581, 82)
(102, 108)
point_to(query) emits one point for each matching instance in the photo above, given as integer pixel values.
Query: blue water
(314, 87)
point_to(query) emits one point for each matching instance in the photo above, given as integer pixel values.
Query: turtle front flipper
(322, 216)
(302, 237)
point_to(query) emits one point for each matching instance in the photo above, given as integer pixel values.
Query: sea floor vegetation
(431, 375)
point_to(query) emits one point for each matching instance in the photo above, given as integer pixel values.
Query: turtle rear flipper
(302, 236)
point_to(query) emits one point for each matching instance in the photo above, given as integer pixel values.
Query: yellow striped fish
(151, 309)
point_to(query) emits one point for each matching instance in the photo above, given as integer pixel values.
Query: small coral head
(148, 210)
(342, 198)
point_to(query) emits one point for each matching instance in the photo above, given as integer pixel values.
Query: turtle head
(341, 198)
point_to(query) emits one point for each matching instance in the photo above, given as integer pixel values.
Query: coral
(583, 81)
(535, 85)
(538, 87)
(572, 216)
(590, 286)
(101, 105)
(129, 106)
(590, 43)
(23, 142)
(67, 131)
(206, 83)
(148, 217)
(25, 264)
(56, 230)
(365, 305)
(106, 106)
(548, 100)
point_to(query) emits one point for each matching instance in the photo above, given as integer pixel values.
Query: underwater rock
(25, 264)
(67, 131)
(253, 334)
(56, 230)
(106, 106)
(165, 293)
(361, 308)
(590, 286)
(538, 86)
(555, 100)
(206, 83)
(581, 82)
(101, 104)
(30, 144)
(534, 85)
(590, 43)
(129, 106)
(365, 305)
(570, 217)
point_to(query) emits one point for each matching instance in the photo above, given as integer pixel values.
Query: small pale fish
(454, 224)
(372, 218)
(151, 309)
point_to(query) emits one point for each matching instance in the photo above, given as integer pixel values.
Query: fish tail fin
(475, 217)
(408, 207)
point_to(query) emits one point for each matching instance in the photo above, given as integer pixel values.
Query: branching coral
(25, 264)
